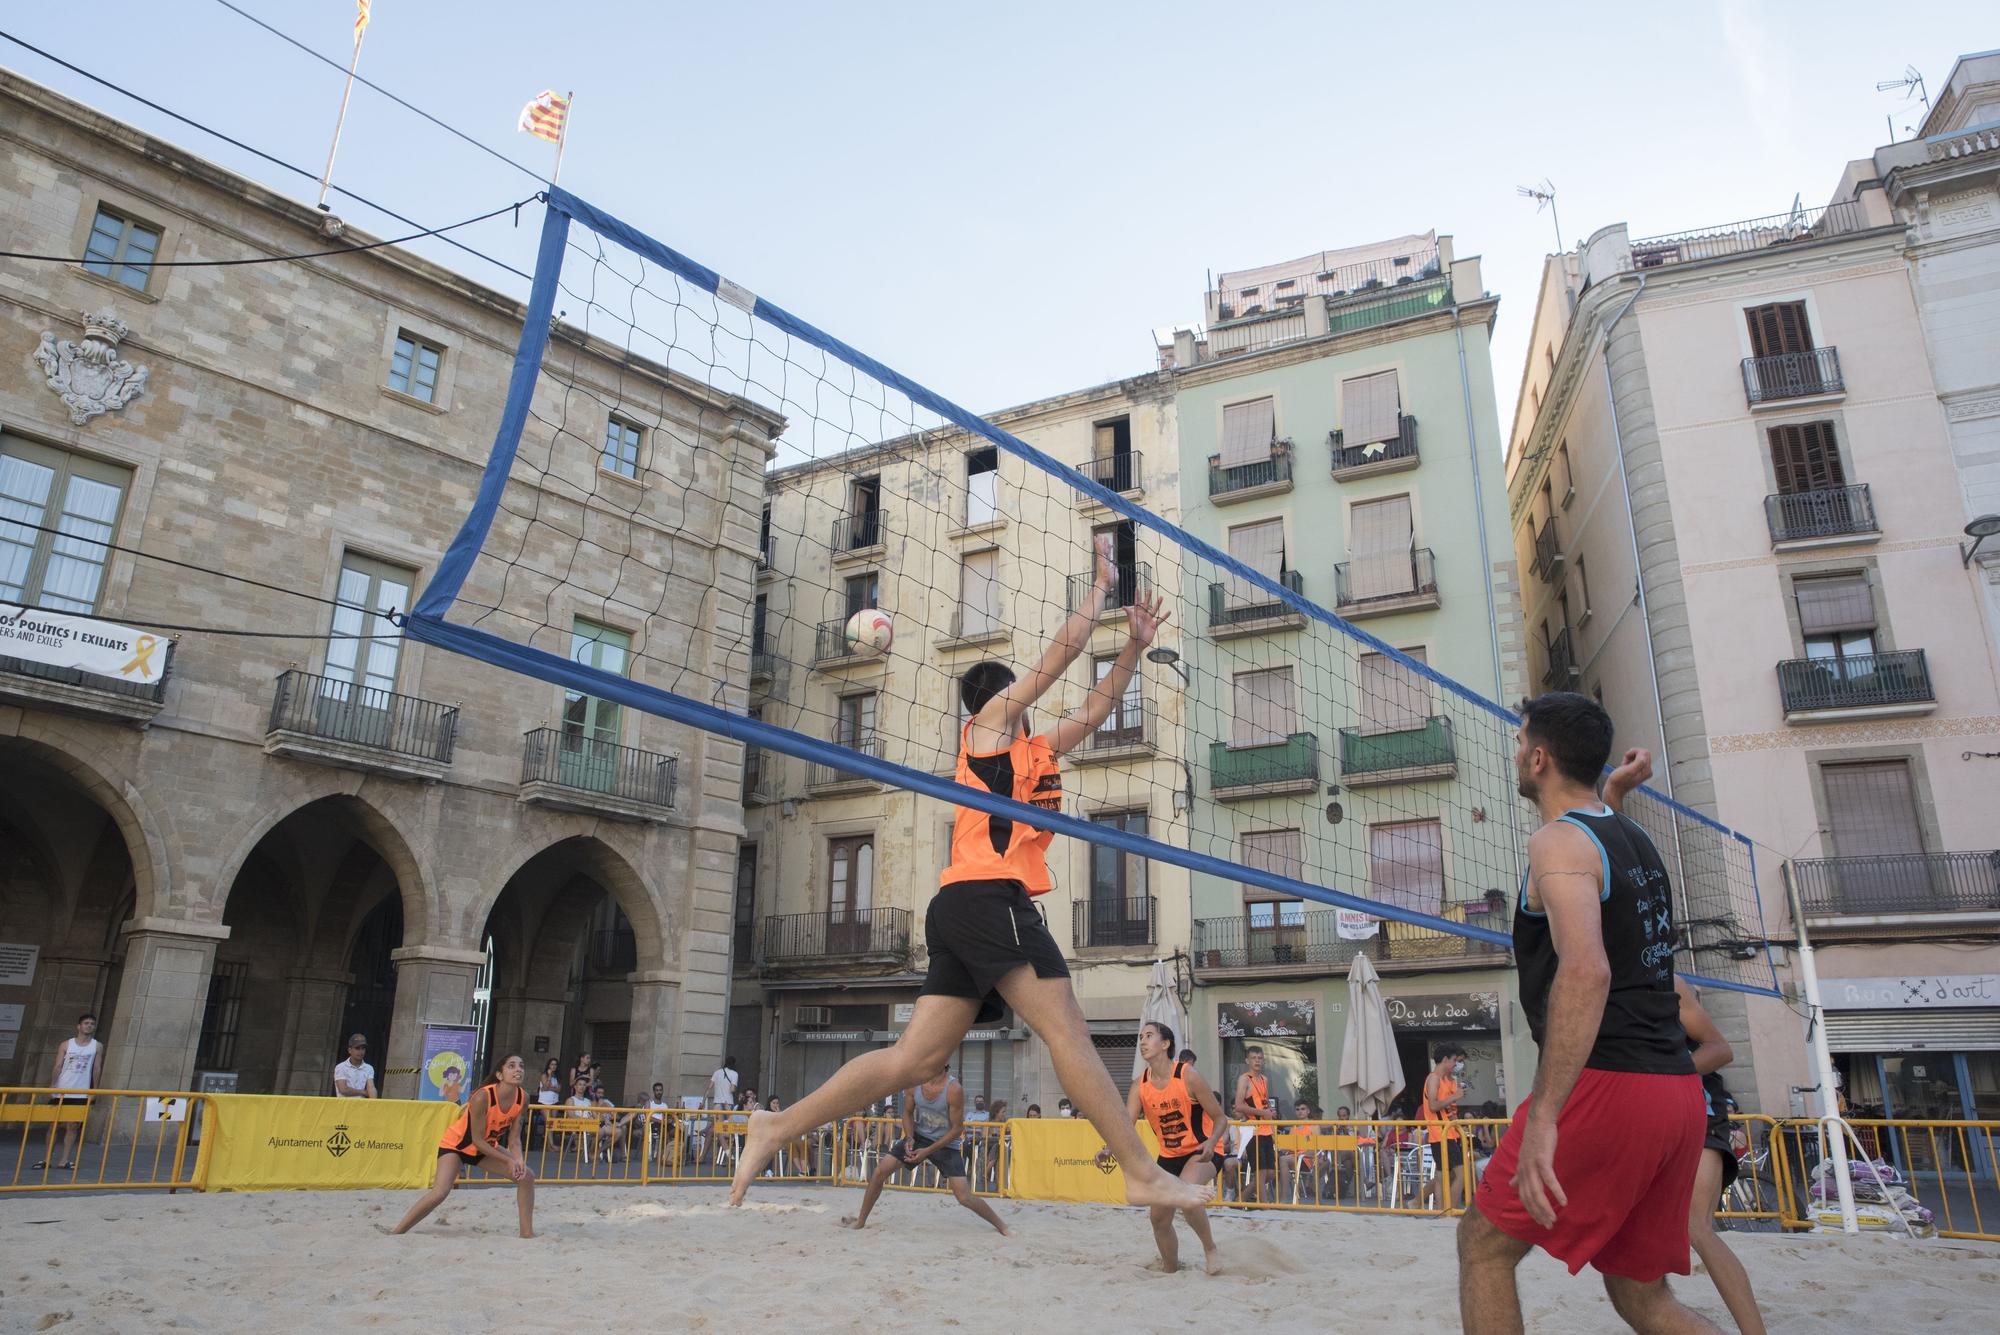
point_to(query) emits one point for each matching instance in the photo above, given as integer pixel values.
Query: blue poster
(444, 1071)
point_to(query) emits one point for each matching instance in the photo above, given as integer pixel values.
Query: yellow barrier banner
(273, 1142)
(1055, 1159)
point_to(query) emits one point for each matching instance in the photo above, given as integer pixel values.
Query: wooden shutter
(1406, 864)
(1778, 328)
(1261, 547)
(1280, 852)
(979, 593)
(1805, 457)
(1832, 603)
(1262, 709)
(1372, 408)
(1247, 432)
(1393, 698)
(1383, 537)
(1872, 809)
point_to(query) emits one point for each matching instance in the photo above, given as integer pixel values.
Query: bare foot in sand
(849, 1221)
(760, 1142)
(1211, 1261)
(1159, 1267)
(1160, 1187)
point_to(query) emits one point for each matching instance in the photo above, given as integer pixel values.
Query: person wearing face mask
(1444, 1088)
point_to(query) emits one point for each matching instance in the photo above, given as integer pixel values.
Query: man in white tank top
(78, 1062)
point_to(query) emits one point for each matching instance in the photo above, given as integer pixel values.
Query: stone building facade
(308, 826)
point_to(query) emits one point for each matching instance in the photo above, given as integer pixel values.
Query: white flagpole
(345, 93)
(562, 138)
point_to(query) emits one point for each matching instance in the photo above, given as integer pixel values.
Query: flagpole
(354, 63)
(562, 139)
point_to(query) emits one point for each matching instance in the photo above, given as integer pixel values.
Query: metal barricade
(1764, 1189)
(101, 1139)
(1364, 1167)
(864, 1141)
(1920, 1174)
(565, 1144)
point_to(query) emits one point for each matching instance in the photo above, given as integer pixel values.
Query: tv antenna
(1544, 196)
(1912, 81)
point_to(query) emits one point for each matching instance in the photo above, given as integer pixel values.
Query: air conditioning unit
(815, 1017)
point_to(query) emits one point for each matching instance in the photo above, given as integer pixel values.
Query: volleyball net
(692, 490)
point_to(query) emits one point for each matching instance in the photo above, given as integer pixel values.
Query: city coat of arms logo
(89, 374)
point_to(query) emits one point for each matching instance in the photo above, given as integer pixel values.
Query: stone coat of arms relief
(89, 374)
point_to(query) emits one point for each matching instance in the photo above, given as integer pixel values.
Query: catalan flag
(544, 117)
(360, 19)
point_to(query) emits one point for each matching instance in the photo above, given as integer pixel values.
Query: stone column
(315, 1000)
(433, 986)
(523, 1014)
(655, 1050)
(161, 996)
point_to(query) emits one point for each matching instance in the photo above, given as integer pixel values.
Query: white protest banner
(1355, 926)
(86, 644)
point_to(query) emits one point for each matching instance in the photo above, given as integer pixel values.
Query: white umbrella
(1370, 1073)
(1163, 1005)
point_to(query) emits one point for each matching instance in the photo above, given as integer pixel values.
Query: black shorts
(977, 933)
(1716, 1137)
(949, 1161)
(1172, 1165)
(466, 1158)
(1261, 1154)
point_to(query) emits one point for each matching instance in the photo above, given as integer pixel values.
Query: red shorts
(1627, 1147)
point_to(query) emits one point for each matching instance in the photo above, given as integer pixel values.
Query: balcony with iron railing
(859, 535)
(1263, 769)
(763, 772)
(1548, 561)
(1881, 685)
(1126, 734)
(1898, 883)
(846, 937)
(1135, 581)
(1373, 586)
(1825, 517)
(1796, 228)
(831, 647)
(1099, 923)
(1563, 670)
(1124, 473)
(1363, 280)
(1232, 947)
(1353, 462)
(823, 780)
(336, 722)
(570, 772)
(1792, 375)
(1252, 610)
(763, 661)
(1409, 755)
(1261, 477)
(23, 681)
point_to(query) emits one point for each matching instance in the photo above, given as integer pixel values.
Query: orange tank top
(1171, 1111)
(1260, 1103)
(458, 1136)
(996, 848)
(1436, 1119)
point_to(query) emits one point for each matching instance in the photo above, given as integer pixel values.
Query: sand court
(676, 1259)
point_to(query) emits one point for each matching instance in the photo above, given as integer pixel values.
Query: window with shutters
(1406, 864)
(1872, 809)
(856, 727)
(979, 593)
(1124, 537)
(1384, 537)
(1125, 725)
(1805, 457)
(1778, 328)
(850, 877)
(863, 591)
(1373, 408)
(1393, 698)
(1282, 853)
(1261, 546)
(1837, 617)
(1118, 913)
(1248, 431)
(64, 509)
(1263, 707)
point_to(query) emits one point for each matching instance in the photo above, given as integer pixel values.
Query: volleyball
(870, 631)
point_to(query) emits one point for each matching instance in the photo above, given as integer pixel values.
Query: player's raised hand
(1146, 615)
(1633, 769)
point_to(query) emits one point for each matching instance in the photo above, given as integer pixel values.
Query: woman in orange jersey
(487, 1134)
(1173, 1097)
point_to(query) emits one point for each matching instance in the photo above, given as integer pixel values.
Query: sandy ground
(667, 1259)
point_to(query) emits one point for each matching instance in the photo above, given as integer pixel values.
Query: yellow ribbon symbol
(142, 655)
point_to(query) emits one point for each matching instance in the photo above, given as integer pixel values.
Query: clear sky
(1003, 203)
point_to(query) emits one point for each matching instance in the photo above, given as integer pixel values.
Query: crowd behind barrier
(1914, 1176)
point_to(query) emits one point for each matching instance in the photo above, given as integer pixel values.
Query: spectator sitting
(1034, 1110)
(1063, 1108)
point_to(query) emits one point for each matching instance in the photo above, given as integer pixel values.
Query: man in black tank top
(1597, 1166)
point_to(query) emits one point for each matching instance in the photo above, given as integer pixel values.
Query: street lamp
(1166, 657)
(1979, 530)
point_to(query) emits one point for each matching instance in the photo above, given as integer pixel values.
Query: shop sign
(1937, 991)
(1465, 1010)
(1266, 1019)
